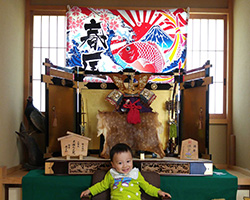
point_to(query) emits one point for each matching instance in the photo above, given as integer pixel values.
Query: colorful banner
(148, 41)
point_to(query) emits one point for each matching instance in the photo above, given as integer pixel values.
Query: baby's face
(122, 162)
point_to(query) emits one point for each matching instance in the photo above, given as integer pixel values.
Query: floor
(242, 193)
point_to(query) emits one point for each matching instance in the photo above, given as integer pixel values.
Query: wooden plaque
(189, 149)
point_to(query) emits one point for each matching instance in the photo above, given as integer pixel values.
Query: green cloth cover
(220, 185)
(37, 186)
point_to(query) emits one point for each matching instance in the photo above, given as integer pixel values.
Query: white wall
(217, 143)
(241, 82)
(12, 24)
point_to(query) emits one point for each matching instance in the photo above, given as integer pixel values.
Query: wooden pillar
(3, 173)
(230, 135)
(232, 153)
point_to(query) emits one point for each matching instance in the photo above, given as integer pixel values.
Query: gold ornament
(103, 85)
(154, 86)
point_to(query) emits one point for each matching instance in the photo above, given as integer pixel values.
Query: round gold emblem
(63, 82)
(103, 85)
(154, 86)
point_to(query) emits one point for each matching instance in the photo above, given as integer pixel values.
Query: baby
(123, 180)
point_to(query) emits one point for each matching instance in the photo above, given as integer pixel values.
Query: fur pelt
(140, 137)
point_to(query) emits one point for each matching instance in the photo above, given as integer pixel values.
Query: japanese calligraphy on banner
(148, 41)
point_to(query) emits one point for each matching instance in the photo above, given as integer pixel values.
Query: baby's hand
(163, 194)
(85, 193)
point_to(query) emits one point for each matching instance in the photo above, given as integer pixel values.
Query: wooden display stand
(189, 106)
(10, 178)
(168, 166)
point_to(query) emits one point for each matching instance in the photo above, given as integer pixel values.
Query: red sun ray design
(140, 21)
